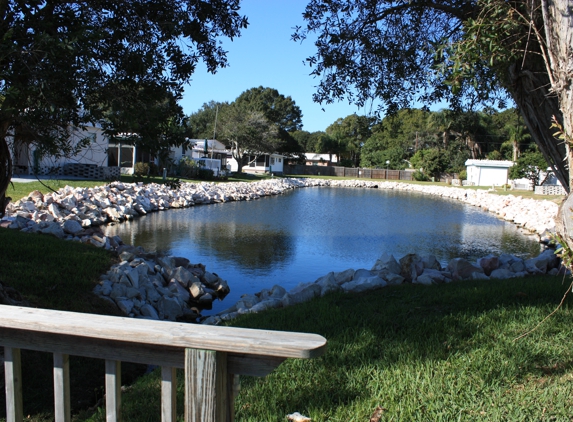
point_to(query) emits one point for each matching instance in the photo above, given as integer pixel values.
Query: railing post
(206, 393)
(113, 390)
(168, 394)
(13, 376)
(62, 408)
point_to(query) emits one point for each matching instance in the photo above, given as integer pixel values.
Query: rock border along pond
(145, 285)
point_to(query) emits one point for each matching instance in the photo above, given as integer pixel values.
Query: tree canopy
(259, 121)
(350, 133)
(466, 52)
(247, 132)
(280, 110)
(63, 63)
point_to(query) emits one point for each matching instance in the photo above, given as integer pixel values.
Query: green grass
(442, 353)
(51, 273)
(56, 274)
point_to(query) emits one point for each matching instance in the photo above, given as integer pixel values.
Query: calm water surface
(306, 233)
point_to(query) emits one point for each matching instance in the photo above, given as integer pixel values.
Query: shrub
(419, 176)
(141, 169)
(173, 184)
(205, 174)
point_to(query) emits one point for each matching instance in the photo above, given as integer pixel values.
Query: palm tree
(517, 135)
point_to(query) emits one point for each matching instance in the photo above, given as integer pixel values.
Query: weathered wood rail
(212, 357)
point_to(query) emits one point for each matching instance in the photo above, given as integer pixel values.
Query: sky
(264, 55)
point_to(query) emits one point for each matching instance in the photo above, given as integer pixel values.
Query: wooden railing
(212, 357)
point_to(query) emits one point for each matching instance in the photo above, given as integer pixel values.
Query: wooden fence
(212, 357)
(357, 173)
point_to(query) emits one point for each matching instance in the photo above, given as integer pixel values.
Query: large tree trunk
(558, 26)
(537, 107)
(558, 19)
(237, 154)
(515, 150)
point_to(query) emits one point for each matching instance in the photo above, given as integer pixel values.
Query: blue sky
(265, 56)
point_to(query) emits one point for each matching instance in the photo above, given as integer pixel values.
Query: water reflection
(251, 246)
(304, 234)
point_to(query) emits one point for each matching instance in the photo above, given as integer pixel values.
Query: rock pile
(160, 287)
(387, 271)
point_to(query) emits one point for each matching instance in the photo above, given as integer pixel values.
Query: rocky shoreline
(149, 286)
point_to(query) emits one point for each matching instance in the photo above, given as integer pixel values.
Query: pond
(306, 233)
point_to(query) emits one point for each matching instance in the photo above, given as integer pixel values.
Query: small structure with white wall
(314, 159)
(261, 163)
(488, 172)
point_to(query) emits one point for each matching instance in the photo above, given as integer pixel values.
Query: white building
(314, 159)
(264, 163)
(90, 162)
(488, 172)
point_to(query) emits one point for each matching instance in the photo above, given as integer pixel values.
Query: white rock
(363, 284)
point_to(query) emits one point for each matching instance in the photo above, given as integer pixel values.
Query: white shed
(488, 172)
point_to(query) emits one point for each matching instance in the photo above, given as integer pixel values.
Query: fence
(550, 190)
(212, 357)
(357, 173)
(77, 170)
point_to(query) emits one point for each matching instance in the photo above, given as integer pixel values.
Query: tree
(351, 133)
(147, 115)
(307, 142)
(61, 60)
(396, 138)
(202, 122)
(247, 131)
(279, 110)
(465, 52)
(326, 144)
(431, 161)
(529, 166)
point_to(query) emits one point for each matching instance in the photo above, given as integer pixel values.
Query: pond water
(306, 233)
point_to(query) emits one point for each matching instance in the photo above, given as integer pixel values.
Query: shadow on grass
(408, 332)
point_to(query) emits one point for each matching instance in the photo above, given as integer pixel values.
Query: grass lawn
(441, 353)
(57, 274)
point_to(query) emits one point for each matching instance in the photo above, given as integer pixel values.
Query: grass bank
(56, 274)
(441, 353)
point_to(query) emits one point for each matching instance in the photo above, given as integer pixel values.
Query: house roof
(490, 163)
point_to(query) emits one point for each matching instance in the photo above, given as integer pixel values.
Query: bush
(463, 175)
(173, 184)
(205, 174)
(419, 176)
(141, 169)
